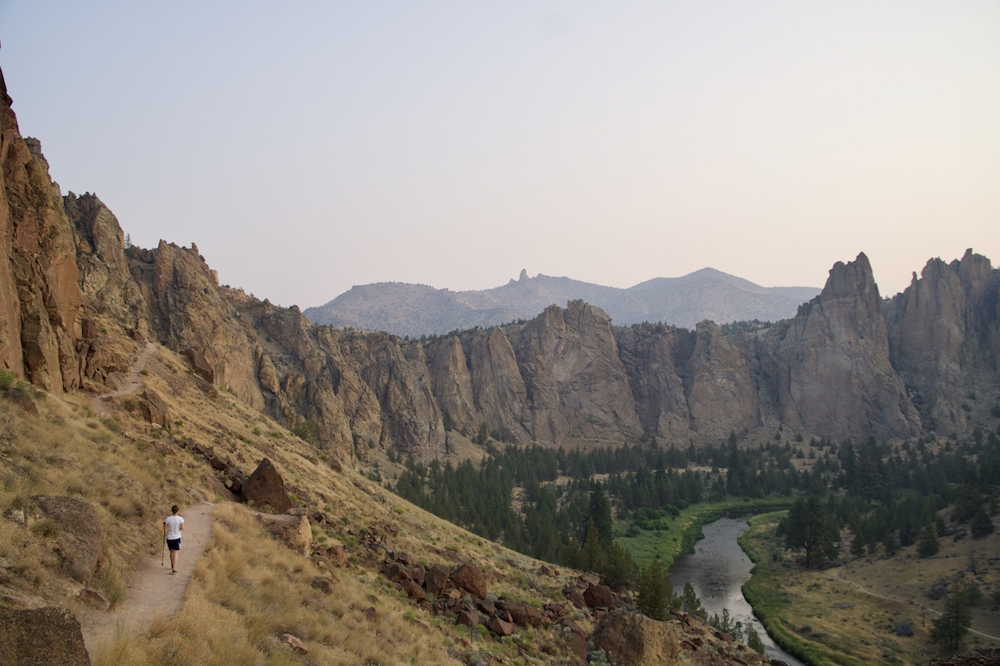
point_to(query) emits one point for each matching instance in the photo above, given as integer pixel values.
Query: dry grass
(833, 621)
(247, 589)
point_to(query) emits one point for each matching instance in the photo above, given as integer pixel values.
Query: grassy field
(824, 617)
(677, 535)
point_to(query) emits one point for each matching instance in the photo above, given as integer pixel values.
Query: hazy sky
(310, 146)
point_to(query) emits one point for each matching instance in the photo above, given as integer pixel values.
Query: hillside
(414, 310)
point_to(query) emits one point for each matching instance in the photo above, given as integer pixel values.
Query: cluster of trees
(889, 497)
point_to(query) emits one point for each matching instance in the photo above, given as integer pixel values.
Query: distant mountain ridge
(414, 309)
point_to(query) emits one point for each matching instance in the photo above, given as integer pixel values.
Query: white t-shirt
(173, 524)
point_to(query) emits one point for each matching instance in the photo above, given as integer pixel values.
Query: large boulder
(81, 540)
(154, 409)
(436, 578)
(630, 638)
(469, 577)
(265, 488)
(43, 637)
(599, 596)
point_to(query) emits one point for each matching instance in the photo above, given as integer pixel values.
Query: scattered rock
(81, 541)
(44, 637)
(467, 618)
(14, 516)
(335, 550)
(94, 599)
(414, 591)
(295, 643)
(322, 583)
(522, 614)
(265, 488)
(599, 596)
(469, 577)
(500, 627)
(369, 613)
(436, 579)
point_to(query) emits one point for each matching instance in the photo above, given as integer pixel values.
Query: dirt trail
(154, 590)
(838, 576)
(132, 383)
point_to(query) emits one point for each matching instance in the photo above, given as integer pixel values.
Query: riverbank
(677, 535)
(826, 620)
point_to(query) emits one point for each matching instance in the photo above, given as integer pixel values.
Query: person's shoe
(173, 571)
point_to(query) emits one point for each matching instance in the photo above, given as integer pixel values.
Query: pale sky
(310, 146)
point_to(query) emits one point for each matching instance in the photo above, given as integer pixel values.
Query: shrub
(6, 379)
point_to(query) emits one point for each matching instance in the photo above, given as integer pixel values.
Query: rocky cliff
(76, 304)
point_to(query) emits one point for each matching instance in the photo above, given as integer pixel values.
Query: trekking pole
(163, 550)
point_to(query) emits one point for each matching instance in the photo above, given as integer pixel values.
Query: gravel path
(154, 590)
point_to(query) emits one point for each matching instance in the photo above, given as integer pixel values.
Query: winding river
(717, 570)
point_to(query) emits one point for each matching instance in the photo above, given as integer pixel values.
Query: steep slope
(414, 310)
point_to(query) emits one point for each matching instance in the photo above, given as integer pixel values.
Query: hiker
(173, 525)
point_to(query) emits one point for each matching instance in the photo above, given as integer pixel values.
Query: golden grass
(247, 589)
(824, 617)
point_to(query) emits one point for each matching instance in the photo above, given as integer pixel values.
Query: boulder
(599, 596)
(81, 540)
(500, 627)
(295, 643)
(630, 638)
(436, 579)
(265, 488)
(522, 614)
(22, 399)
(322, 583)
(469, 577)
(413, 591)
(94, 599)
(335, 550)
(296, 533)
(467, 618)
(44, 637)
(154, 409)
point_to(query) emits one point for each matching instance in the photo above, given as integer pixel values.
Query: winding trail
(154, 590)
(132, 383)
(839, 577)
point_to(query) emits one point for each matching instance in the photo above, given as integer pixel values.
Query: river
(717, 570)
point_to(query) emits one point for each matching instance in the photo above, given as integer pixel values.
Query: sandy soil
(154, 590)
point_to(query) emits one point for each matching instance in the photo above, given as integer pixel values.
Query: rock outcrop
(81, 536)
(77, 301)
(265, 488)
(44, 637)
(944, 338)
(829, 367)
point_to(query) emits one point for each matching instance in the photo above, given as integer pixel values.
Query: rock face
(266, 488)
(77, 301)
(944, 338)
(830, 366)
(44, 637)
(81, 538)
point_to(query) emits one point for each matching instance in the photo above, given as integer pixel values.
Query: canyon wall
(76, 302)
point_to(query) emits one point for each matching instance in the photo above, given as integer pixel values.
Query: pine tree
(981, 524)
(599, 511)
(690, 602)
(927, 543)
(753, 640)
(592, 556)
(656, 593)
(811, 528)
(619, 568)
(955, 620)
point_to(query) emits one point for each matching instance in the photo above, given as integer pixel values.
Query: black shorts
(174, 544)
